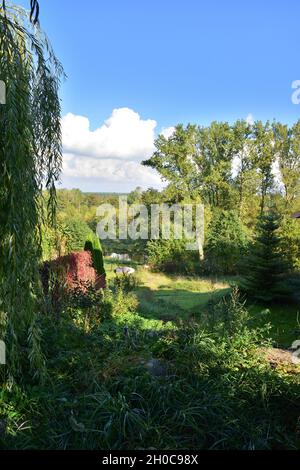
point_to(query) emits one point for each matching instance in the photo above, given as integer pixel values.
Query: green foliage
(135, 196)
(214, 389)
(89, 246)
(172, 159)
(54, 241)
(54, 285)
(93, 245)
(77, 232)
(214, 392)
(213, 163)
(246, 180)
(227, 241)
(289, 233)
(171, 256)
(197, 162)
(288, 148)
(228, 315)
(126, 283)
(98, 256)
(30, 159)
(264, 156)
(85, 307)
(48, 243)
(119, 302)
(264, 269)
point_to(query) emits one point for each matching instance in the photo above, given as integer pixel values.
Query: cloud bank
(109, 156)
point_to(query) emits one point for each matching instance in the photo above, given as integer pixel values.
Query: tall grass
(216, 391)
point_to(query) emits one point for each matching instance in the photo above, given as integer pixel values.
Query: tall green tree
(93, 245)
(30, 159)
(288, 153)
(197, 163)
(174, 160)
(246, 178)
(226, 243)
(77, 232)
(265, 155)
(214, 164)
(264, 269)
(98, 256)
(290, 241)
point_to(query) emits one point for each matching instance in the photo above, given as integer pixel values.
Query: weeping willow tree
(30, 162)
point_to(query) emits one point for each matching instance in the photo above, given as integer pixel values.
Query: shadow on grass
(175, 304)
(216, 395)
(284, 321)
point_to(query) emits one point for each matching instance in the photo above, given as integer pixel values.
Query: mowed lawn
(175, 298)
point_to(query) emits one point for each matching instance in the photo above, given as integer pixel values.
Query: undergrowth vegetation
(118, 380)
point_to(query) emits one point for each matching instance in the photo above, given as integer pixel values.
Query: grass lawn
(285, 325)
(176, 297)
(169, 297)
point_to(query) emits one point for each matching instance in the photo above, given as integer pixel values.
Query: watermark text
(160, 221)
(2, 92)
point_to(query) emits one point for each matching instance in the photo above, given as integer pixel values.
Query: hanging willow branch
(34, 10)
(30, 161)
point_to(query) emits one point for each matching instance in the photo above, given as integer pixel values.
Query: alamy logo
(160, 221)
(2, 353)
(2, 92)
(296, 353)
(296, 94)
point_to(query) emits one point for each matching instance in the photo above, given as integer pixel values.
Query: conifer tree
(93, 245)
(89, 246)
(98, 256)
(264, 269)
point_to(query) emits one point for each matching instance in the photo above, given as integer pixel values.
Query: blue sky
(169, 61)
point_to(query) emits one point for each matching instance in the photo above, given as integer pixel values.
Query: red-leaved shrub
(74, 271)
(79, 269)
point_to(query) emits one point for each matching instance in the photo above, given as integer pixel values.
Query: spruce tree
(264, 269)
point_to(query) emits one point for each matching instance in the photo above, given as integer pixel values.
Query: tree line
(240, 166)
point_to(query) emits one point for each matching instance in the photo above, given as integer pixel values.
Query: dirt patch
(278, 356)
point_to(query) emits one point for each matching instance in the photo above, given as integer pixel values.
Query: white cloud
(276, 171)
(250, 119)
(112, 153)
(124, 135)
(167, 131)
(109, 170)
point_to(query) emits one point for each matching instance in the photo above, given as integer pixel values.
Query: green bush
(226, 243)
(119, 302)
(171, 256)
(93, 245)
(126, 283)
(228, 315)
(98, 256)
(289, 232)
